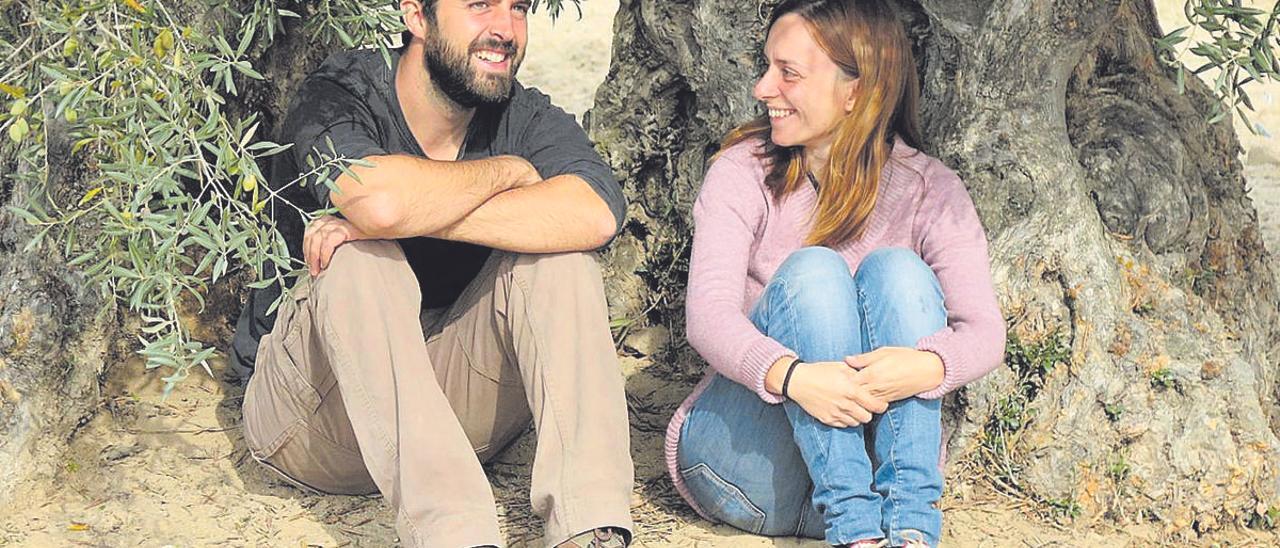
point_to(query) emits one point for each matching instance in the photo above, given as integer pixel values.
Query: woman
(841, 273)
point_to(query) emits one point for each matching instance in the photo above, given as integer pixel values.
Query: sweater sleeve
(954, 244)
(730, 208)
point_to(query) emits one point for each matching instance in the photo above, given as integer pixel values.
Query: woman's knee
(816, 276)
(813, 261)
(897, 273)
(896, 283)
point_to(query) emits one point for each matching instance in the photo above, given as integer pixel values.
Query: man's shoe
(604, 537)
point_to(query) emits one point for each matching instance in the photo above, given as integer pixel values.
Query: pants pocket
(280, 396)
(276, 402)
(723, 500)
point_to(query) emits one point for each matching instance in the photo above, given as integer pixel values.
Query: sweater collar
(894, 185)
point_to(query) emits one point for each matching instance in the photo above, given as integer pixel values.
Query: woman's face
(805, 92)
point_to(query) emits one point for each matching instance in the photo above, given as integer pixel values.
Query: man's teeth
(780, 112)
(491, 56)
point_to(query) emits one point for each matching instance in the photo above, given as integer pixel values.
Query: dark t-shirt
(350, 104)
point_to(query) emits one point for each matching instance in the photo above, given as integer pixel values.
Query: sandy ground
(147, 472)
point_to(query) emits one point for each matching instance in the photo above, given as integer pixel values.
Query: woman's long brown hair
(867, 42)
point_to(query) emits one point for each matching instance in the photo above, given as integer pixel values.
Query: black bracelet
(786, 381)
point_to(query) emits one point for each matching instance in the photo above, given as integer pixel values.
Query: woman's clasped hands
(850, 392)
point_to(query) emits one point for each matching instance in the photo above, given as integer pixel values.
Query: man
(453, 300)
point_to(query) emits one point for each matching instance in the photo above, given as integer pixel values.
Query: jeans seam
(826, 457)
(800, 523)
(784, 286)
(872, 341)
(893, 461)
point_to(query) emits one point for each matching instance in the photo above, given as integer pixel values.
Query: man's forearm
(403, 196)
(558, 215)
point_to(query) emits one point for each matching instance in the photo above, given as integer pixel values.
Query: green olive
(18, 131)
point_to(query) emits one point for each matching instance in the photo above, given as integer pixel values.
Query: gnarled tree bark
(1141, 377)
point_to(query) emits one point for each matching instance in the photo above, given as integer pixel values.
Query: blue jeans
(775, 470)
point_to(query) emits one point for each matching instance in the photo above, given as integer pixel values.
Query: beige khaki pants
(357, 391)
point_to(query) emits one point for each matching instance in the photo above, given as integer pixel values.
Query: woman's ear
(851, 94)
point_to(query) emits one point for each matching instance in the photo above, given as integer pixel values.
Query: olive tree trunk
(1140, 378)
(54, 341)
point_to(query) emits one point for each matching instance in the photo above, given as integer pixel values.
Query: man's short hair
(428, 9)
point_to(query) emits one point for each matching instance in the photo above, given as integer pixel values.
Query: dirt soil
(151, 472)
(147, 472)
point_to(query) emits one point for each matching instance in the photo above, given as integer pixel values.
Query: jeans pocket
(723, 500)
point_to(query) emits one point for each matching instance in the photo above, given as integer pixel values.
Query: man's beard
(453, 74)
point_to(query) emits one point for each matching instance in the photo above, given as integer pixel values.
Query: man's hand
(829, 392)
(520, 172)
(322, 238)
(896, 373)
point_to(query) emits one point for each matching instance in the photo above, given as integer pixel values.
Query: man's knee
(558, 268)
(364, 273)
(363, 255)
(364, 262)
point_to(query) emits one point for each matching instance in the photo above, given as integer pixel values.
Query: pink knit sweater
(742, 236)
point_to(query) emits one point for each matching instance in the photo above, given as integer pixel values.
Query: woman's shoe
(868, 543)
(913, 539)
